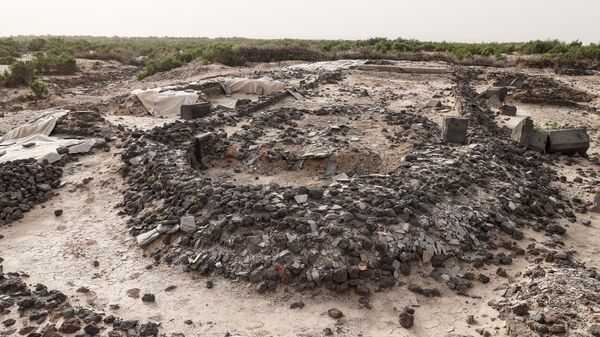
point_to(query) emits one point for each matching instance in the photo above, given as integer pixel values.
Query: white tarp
(43, 125)
(38, 131)
(260, 86)
(164, 104)
(44, 148)
(328, 65)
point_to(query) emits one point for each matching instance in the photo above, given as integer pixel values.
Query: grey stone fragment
(168, 228)
(434, 103)
(52, 157)
(508, 110)
(596, 205)
(301, 198)
(84, 147)
(188, 224)
(341, 177)
(147, 238)
(499, 92)
(62, 150)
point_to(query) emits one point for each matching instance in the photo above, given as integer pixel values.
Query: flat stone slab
(147, 238)
(84, 147)
(498, 92)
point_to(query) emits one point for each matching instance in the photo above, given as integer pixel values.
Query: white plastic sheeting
(43, 125)
(38, 131)
(328, 65)
(164, 104)
(259, 86)
(44, 148)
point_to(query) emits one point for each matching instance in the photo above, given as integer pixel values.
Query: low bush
(38, 88)
(54, 64)
(223, 53)
(19, 73)
(153, 67)
(168, 53)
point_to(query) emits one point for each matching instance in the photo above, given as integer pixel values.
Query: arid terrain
(340, 210)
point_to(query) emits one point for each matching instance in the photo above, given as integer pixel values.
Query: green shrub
(20, 73)
(153, 67)
(7, 59)
(38, 88)
(224, 54)
(36, 44)
(54, 64)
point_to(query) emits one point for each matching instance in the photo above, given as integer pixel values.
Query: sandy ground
(59, 251)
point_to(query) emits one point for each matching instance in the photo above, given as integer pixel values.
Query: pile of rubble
(540, 89)
(40, 312)
(24, 184)
(561, 296)
(85, 124)
(414, 127)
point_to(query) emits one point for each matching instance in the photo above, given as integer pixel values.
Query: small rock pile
(560, 297)
(48, 313)
(84, 123)
(540, 89)
(414, 127)
(24, 184)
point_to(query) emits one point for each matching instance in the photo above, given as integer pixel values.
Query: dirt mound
(541, 89)
(192, 69)
(84, 123)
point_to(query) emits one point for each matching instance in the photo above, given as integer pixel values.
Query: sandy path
(59, 252)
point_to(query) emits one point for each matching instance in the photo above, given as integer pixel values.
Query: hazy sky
(452, 20)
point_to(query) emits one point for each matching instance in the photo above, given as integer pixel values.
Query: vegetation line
(56, 54)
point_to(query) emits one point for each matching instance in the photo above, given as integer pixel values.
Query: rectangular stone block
(197, 153)
(538, 140)
(194, 111)
(454, 130)
(568, 141)
(521, 132)
(596, 204)
(526, 135)
(508, 110)
(499, 92)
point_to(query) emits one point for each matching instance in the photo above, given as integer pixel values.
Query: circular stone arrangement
(359, 232)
